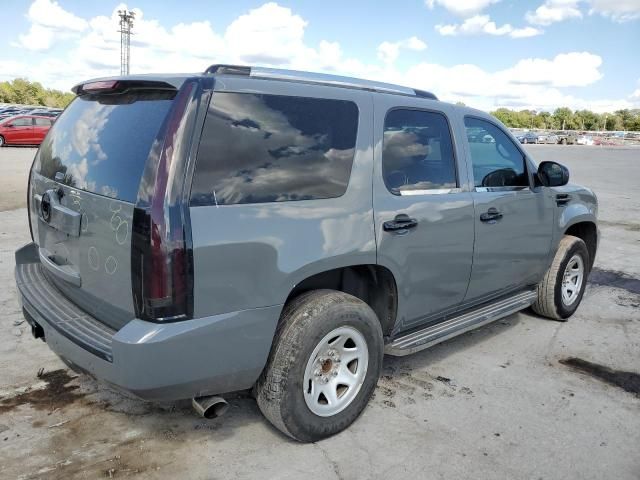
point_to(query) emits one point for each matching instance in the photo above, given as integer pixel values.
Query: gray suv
(251, 228)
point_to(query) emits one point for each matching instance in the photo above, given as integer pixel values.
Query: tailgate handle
(65, 272)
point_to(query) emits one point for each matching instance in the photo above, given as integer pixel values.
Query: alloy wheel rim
(335, 371)
(572, 280)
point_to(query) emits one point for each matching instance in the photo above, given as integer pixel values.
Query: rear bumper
(154, 361)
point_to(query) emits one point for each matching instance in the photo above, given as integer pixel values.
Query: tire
(2, 142)
(563, 141)
(305, 325)
(551, 301)
(525, 141)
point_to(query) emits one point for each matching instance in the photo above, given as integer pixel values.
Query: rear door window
(42, 122)
(259, 148)
(417, 152)
(101, 142)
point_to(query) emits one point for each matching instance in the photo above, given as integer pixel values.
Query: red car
(24, 130)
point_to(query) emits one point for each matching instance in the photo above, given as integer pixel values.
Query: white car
(584, 140)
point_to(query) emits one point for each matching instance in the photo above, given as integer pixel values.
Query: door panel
(431, 260)
(513, 221)
(21, 131)
(512, 251)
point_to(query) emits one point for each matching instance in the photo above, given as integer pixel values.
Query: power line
(126, 24)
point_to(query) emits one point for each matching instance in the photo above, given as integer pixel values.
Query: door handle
(400, 224)
(491, 216)
(65, 272)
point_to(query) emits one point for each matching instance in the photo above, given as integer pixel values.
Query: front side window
(417, 152)
(22, 122)
(258, 148)
(496, 161)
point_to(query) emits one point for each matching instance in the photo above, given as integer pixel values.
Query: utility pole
(126, 24)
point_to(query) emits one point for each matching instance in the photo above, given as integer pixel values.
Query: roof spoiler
(118, 86)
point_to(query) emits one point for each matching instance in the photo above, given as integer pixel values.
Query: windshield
(100, 143)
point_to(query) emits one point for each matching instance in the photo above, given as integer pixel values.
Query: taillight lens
(161, 255)
(100, 86)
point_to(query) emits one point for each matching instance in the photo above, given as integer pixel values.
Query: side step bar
(421, 339)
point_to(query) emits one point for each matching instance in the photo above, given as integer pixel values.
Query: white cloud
(482, 24)
(553, 11)
(268, 34)
(388, 51)
(525, 32)
(618, 10)
(49, 22)
(462, 8)
(575, 69)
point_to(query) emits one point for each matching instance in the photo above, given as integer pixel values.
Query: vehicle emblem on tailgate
(45, 207)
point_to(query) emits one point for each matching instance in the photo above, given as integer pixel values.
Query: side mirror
(552, 174)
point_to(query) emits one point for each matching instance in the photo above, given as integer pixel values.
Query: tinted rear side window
(101, 142)
(270, 148)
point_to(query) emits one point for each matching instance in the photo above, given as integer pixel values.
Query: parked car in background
(527, 137)
(584, 140)
(549, 138)
(24, 130)
(239, 237)
(566, 138)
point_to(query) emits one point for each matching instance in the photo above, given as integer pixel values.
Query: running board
(421, 339)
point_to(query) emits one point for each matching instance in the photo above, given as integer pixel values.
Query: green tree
(22, 91)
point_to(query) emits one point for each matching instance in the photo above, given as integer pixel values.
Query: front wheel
(561, 290)
(323, 367)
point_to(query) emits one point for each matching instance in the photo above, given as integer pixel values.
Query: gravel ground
(504, 401)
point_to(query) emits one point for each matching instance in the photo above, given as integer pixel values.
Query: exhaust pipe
(210, 407)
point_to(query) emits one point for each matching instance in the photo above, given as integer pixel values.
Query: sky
(538, 54)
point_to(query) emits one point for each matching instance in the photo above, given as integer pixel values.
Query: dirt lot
(512, 400)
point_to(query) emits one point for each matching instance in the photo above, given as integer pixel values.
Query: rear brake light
(161, 243)
(100, 86)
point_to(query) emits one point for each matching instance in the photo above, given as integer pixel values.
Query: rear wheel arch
(373, 284)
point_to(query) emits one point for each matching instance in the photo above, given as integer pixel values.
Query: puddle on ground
(628, 381)
(611, 278)
(56, 394)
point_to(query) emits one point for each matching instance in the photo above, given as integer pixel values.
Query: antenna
(126, 24)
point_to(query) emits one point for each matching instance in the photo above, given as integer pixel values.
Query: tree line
(566, 119)
(24, 92)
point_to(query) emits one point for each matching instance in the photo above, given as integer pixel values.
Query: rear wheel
(560, 291)
(323, 366)
(525, 141)
(2, 141)
(563, 141)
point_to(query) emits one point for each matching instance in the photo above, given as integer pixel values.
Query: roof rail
(317, 78)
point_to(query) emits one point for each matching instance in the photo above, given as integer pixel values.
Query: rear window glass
(101, 142)
(270, 148)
